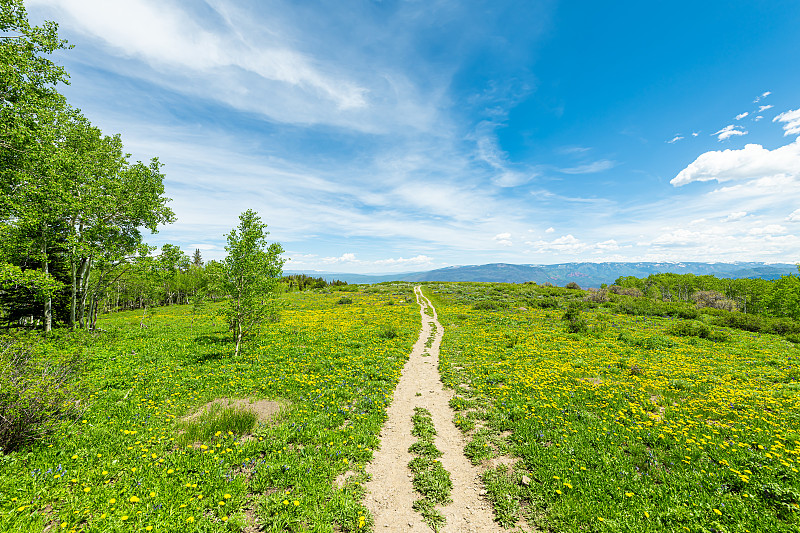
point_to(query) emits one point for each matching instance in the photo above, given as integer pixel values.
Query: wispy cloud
(740, 116)
(675, 139)
(729, 131)
(762, 96)
(590, 168)
(790, 122)
(489, 152)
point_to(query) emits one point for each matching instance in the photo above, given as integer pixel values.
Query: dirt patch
(593, 381)
(251, 521)
(500, 460)
(341, 479)
(263, 409)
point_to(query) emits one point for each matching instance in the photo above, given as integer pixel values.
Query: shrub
(595, 296)
(697, 329)
(543, 303)
(388, 332)
(575, 322)
(36, 397)
(572, 285)
(344, 300)
(485, 305)
(714, 300)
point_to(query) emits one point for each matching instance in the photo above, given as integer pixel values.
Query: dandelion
(133, 499)
(718, 511)
(190, 519)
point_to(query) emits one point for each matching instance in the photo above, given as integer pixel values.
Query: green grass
(430, 479)
(633, 423)
(130, 463)
(214, 421)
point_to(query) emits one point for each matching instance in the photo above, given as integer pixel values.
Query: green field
(124, 466)
(626, 425)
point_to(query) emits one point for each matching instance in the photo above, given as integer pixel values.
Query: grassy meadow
(629, 423)
(625, 425)
(141, 459)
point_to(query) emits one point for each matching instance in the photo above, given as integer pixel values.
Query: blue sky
(388, 136)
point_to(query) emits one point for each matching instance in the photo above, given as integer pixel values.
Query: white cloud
(590, 168)
(416, 261)
(763, 95)
(729, 131)
(566, 243)
(680, 237)
(791, 120)
(756, 119)
(489, 152)
(503, 239)
(167, 37)
(608, 245)
(549, 230)
(794, 216)
(735, 216)
(740, 116)
(763, 108)
(344, 258)
(771, 229)
(695, 133)
(752, 162)
(675, 139)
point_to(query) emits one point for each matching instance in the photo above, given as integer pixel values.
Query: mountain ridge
(584, 273)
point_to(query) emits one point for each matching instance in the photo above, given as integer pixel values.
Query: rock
(526, 480)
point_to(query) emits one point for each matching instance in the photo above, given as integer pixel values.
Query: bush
(595, 296)
(36, 397)
(697, 329)
(543, 303)
(575, 322)
(344, 300)
(572, 285)
(714, 300)
(648, 307)
(485, 305)
(388, 332)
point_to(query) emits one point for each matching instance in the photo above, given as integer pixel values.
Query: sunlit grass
(137, 460)
(631, 424)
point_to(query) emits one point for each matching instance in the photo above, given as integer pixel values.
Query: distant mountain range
(584, 274)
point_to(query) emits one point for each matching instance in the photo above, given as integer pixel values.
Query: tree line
(778, 298)
(73, 209)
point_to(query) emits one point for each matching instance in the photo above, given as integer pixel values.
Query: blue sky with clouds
(387, 136)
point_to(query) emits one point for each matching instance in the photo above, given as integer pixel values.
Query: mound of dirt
(263, 409)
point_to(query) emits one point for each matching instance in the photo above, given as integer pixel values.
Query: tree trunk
(48, 301)
(83, 278)
(74, 292)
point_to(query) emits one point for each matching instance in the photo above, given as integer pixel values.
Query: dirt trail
(389, 491)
